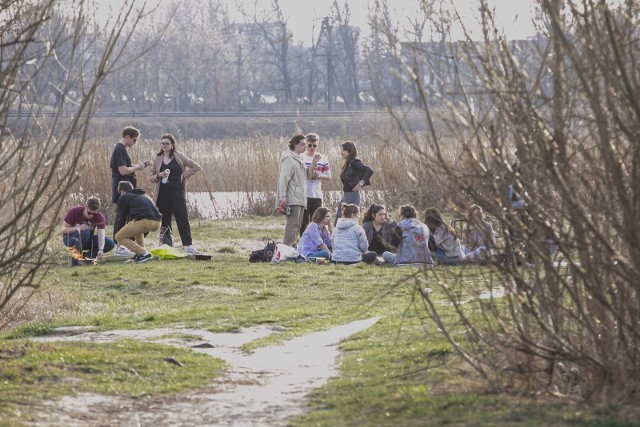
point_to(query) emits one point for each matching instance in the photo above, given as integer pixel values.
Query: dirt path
(263, 388)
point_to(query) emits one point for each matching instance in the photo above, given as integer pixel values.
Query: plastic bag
(167, 252)
(286, 253)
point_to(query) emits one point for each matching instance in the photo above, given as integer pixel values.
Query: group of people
(137, 214)
(378, 239)
(299, 196)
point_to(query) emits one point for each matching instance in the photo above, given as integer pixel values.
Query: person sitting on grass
(83, 228)
(479, 236)
(411, 238)
(379, 229)
(448, 250)
(143, 215)
(316, 239)
(349, 239)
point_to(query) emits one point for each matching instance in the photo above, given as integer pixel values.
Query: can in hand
(165, 179)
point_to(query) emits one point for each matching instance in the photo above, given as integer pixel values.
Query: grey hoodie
(414, 246)
(349, 241)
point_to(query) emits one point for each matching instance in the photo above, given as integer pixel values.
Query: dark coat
(354, 171)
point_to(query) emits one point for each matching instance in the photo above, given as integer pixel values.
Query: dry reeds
(250, 166)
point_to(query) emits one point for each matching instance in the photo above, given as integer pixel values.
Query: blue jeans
(439, 256)
(86, 241)
(323, 253)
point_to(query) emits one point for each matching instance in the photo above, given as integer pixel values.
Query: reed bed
(250, 166)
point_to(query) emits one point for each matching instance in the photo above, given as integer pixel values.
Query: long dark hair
(433, 220)
(373, 210)
(173, 144)
(349, 146)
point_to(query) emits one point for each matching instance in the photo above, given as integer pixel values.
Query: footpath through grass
(400, 372)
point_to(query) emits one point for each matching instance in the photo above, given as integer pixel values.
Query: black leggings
(172, 201)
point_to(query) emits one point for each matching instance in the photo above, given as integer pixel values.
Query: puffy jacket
(349, 241)
(292, 180)
(414, 246)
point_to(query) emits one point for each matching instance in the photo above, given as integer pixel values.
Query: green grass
(401, 371)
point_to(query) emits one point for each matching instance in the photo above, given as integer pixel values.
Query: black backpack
(265, 254)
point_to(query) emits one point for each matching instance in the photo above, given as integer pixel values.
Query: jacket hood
(136, 191)
(344, 223)
(410, 223)
(289, 153)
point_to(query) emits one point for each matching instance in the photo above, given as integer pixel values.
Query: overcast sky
(513, 15)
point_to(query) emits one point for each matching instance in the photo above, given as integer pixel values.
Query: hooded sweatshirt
(292, 180)
(136, 205)
(349, 240)
(414, 246)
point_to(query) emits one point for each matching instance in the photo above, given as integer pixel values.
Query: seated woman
(411, 238)
(479, 236)
(316, 239)
(379, 229)
(349, 239)
(448, 250)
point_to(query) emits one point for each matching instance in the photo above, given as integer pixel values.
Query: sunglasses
(312, 145)
(165, 143)
(92, 213)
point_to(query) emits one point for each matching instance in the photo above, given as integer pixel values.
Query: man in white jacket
(292, 188)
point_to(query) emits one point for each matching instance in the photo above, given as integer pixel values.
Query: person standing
(170, 172)
(123, 170)
(83, 228)
(317, 171)
(137, 207)
(355, 174)
(292, 195)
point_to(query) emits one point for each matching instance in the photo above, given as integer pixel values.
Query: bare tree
(271, 26)
(561, 127)
(43, 144)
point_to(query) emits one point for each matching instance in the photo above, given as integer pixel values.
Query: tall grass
(249, 165)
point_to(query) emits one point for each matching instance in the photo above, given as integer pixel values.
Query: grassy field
(400, 372)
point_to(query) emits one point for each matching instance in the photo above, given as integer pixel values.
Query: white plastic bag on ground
(284, 253)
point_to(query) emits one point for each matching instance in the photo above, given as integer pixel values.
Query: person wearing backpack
(411, 238)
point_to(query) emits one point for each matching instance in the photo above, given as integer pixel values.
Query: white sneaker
(122, 251)
(191, 250)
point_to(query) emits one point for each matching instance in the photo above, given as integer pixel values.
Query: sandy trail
(262, 388)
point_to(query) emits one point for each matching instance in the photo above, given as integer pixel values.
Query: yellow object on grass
(167, 252)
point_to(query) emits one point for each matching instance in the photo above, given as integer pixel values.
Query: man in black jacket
(143, 216)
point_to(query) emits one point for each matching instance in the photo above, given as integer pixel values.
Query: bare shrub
(564, 107)
(46, 54)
